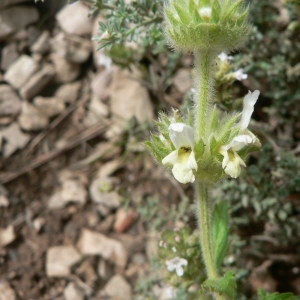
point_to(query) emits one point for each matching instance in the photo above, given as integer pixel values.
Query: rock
(16, 17)
(60, 259)
(65, 71)
(183, 80)
(10, 103)
(124, 219)
(72, 190)
(7, 235)
(38, 223)
(110, 199)
(6, 292)
(101, 84)
(129, 99)
(15, 139)
(94, 243)
(109, 168)
(41, 45)
(73, 48)
(68, 92)
(9, 54)
(104, 270)
(152, 245)
(32, 118)
(73, 292)
(19, 72)
(74, 19)
(50, 106)
(37, 82)
(86, 271)
(118, 288)
(4, 202)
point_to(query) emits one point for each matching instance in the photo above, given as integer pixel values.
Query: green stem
(204, 214)
(204, 83)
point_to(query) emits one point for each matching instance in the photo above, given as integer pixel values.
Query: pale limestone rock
(60, 259)
(10, 103)
(124, 219)
(129, 98)
(19, 72)
(37, 82)
(15, 18)
(118, 288)
(32, 118)
(65, 71)
(101, 84)
(15, 139)
(41, 45)
(94, 243)
(68, 92)
(7, 235)
(6, 292)
(74, 19)
(73, 292)
(8, 55)
(50, 106)
(183, 80)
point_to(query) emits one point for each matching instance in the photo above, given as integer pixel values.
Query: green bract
(218, 25)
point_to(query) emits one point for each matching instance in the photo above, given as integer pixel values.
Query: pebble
(74, 19)
(32, 118)
(124, 219)
(7, 235)
(94, 243)
(41, 45)
(101, 84)
(10, 103)
(50, 106)
(118, 288)
(8, 55)
(37, 82)
(15, 18)
(183, 80)
(60, 259)
(73, 292)
(19, 72)
(68, 92)
(6, 292)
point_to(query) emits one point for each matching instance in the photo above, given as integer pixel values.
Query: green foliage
(220, 231)
(224, 286)
(263, 295)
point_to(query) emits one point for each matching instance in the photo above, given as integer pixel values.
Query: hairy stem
(204, 83)
(204, 214)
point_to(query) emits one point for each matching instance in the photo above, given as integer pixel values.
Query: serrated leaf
(224, 286)
(263, 295)
(220, 231)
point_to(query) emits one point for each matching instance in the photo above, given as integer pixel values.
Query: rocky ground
(65, 175)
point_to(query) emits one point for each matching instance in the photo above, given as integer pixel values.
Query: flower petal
(181, 135)
(179, 271)
(239, 142)
(182, 173)
(248, 108)
(171, 158)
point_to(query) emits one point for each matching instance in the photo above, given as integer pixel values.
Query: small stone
(74, 48)
(50, 106)
(9, 55)
(10, 103)
(151, 245)
(15, 139)
(118, 288)
(60, 259)
(104, 271)
(124, 219)
(110, 199)
(15, 18)
(86, 270)
(7, 235)
(42, 45)
(73, 292)
(38, 223)
(6, 292)
(94, 243)
(19, 72)
(4, 202)
(4, 3)
(37, 82)
(101, 84)
(68, 92)
(183, 80)
(74, 19)
(32, 118)
(65, 71)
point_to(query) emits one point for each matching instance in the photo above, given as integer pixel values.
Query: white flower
(232, 162)
(224, 57)
(174, 249)
(183, 158)
(240, 75)
(205, 13)
(176, 264)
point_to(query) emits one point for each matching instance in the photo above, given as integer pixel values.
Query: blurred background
(82, 203)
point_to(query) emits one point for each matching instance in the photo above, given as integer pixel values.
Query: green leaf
(263, 295)
(220, 231)
(224, 286)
